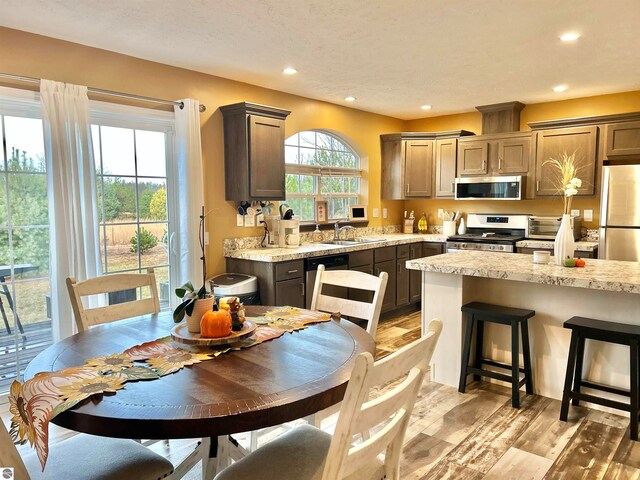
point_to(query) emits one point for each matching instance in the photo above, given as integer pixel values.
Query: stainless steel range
(490, 232)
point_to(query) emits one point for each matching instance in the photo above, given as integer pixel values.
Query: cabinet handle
(398, 268)
(537, 185)
(499, 163)
(376, 272)
(302, 289)
(407, 190)
(453, 187)
(292, 271)
(484, 162)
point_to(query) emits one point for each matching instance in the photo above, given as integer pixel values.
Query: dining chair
(351, 279)
(86, 457)
(307, 452)
(105, 284)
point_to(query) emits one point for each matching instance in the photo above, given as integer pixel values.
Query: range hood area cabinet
(254, 152)
(419, 164)
(494, 155)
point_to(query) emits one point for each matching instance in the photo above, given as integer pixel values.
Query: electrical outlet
(376, 213)
(249, 220)
(239, 220)
(575, 213)
(588, 215)
(384, 213)
(206, 238)
(440, 212)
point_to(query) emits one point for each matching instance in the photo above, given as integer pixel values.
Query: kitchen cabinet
(494, 155)
(577, 254)
(410, 164)
(385, 261)
(403, 253)
(290, 293)
(361, 261)
(431, 249)
(446, 156)
(622, 140)
(551, 144)
(254, 152)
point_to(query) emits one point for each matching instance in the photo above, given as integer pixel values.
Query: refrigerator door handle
(604, 204)
(602, 243)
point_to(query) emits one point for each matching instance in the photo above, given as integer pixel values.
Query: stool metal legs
(466, 351)
(526, 352)
(571, 368)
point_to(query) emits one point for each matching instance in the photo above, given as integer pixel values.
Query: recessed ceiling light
(560, 88)
(350, 98)
(426, 107)
(569, 37)
(289, 71)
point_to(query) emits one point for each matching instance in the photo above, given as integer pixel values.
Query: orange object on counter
(215, 324)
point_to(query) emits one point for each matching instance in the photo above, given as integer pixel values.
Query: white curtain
(73, 218)
(191, 188)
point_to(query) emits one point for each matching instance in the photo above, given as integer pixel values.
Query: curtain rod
(105, 92)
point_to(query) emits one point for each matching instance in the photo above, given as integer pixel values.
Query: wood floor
(478, 435)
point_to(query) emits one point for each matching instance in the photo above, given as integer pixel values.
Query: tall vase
(202, 305)
(564, 245)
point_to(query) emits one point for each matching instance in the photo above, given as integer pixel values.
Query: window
(320, 166)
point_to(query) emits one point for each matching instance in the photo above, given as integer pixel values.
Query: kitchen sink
(356, 241)
(368, 240)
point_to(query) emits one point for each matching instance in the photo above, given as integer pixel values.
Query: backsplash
(244, 243)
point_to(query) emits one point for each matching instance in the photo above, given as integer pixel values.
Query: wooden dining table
(277, 381)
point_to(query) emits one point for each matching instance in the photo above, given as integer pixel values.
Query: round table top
(276, 381)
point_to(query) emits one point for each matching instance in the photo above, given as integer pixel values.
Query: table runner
(35, 402)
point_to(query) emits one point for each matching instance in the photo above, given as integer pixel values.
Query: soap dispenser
(317, 235)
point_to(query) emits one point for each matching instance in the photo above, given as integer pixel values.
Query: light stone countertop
(581, 246)
(609, 275)
(309, 250)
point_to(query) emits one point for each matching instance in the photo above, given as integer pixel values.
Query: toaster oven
(546, 228)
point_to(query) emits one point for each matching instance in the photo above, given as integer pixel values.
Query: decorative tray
(181, 335)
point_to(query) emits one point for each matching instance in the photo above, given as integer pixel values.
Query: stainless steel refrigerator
(620, 213)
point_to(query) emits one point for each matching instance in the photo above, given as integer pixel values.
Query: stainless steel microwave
(489, 188)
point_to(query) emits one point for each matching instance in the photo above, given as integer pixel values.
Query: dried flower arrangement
(569, 182)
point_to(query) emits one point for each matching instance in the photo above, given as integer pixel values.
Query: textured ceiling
(392, 55)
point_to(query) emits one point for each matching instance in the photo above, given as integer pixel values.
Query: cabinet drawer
(360, 259)
(288, 270)
(403, 252)
(384, 254)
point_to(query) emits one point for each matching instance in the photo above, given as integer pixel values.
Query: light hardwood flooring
(478, 435)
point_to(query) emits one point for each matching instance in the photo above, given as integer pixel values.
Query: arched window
(320, 166)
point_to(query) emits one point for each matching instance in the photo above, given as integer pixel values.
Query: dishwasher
(330, 262)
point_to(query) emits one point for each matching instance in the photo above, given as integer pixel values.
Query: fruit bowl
(181, 335)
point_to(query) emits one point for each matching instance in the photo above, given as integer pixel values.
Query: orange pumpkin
(215, 324)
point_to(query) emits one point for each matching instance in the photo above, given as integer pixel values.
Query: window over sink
(321, 166)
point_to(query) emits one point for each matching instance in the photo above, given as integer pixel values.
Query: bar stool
(590, 329)
(477, 314)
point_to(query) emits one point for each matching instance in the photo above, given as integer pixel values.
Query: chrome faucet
(337, 230)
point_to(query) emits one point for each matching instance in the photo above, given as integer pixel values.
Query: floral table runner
(35, 402)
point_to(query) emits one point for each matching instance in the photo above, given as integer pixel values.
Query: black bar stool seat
(478, 313)
(591, 329)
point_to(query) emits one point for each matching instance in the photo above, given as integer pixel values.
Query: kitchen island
(603, 289)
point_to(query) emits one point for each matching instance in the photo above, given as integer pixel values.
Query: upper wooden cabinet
(555, 142)
(497, 154)
(622, 140)
(413, 162)
(254, 152)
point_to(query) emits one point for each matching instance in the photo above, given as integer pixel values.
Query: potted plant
(195, 303)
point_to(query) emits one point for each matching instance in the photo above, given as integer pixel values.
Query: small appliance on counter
(490, 232)
(245, 287)
(272, 231)
(546, 228)
(289, 233)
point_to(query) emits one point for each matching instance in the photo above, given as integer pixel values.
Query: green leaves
(182, 291)
(179, 312)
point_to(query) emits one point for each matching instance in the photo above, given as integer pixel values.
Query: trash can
(245, 287)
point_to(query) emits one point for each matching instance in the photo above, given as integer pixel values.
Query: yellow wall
(32, 55)
(472, 121)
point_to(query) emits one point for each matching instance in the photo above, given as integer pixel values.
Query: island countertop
(608, 275)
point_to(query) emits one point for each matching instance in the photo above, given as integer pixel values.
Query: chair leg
(515, 365)
(577, 378)
(571, 367)
(635, 389)
(526, 352)
(466, 351)
(477, 363)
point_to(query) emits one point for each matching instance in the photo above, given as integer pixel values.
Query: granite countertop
(581, 246)
(309, 250)
(610, 275)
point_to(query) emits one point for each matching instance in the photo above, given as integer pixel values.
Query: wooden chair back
(385, 417)
(10, 457)
(86, 318)
(349, 307)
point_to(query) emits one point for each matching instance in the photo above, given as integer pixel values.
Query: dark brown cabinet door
(389, 301)
(403, 253)
(473, 158)
(552, 144)
(266, 157)
(430, 249)
(362, 295)
(446, 155)
(415, 276)
(418, 173)
(622, 140)
(290, 293)
(513, 155)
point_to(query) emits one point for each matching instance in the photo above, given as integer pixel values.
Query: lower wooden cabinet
(389, 266)
(593, 254)
(402, 275)
(290, 292)
(415, 276)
